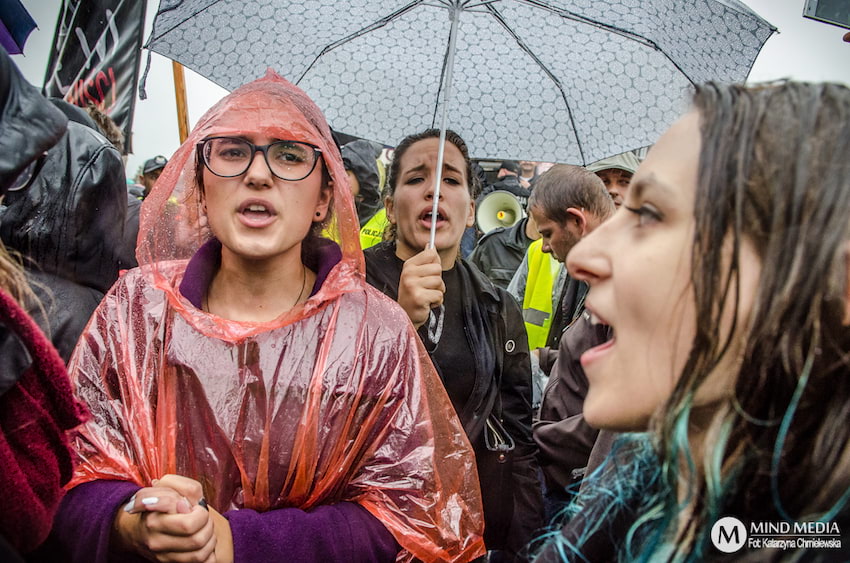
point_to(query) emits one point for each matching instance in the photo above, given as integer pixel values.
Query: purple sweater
(339, 532)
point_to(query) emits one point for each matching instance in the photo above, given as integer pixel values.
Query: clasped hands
(169, 522)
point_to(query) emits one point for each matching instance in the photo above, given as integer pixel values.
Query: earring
(318, 214)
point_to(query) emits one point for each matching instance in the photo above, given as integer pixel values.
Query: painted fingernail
(203, 503)
(150, 500)
(129, 506)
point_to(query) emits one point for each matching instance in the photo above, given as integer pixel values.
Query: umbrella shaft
(447, 94)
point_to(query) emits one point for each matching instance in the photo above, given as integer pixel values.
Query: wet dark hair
(472, 182)
(773, 171)
(564, 186)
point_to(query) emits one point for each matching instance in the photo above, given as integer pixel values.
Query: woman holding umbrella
(733, 245)
(252, 397)
(472, 330)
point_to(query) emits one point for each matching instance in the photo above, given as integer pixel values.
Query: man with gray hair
(563, 437)
(567, 203)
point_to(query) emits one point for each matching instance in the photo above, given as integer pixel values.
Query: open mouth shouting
(597, 352)
(256, 213)
(427, 217)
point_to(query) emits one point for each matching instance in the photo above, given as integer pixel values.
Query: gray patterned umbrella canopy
(558, 80)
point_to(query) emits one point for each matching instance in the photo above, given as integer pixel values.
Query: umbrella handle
(450, 63)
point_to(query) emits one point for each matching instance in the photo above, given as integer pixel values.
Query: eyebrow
(415, 169)
(424, 167)
(651, 183)
(452, 168)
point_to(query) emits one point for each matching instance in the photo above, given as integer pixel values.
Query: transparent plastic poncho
(334, 401)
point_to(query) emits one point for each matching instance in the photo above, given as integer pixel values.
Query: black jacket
(494, 326)
(499, 253)
(29, 124)
(69, 226)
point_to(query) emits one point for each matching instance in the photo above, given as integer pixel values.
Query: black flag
(95, 57)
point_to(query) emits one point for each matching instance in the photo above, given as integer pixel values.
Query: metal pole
(447, 94)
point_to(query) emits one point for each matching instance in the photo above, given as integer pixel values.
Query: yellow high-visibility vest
(373, 231)
(537, 306)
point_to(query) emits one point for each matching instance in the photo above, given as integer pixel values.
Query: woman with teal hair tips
(725, 279)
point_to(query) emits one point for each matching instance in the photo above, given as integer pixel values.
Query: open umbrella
(556, 80)
(562, 81)
(16, 24)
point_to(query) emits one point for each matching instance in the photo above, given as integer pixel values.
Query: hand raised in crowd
(421, 285)
(168, 522)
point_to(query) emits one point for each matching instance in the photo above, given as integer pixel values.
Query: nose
(545, 247)
(430, 186)
(258, 173)
(616, 196)
(589, 260)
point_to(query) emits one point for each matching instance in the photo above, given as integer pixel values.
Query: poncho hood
(173, 223)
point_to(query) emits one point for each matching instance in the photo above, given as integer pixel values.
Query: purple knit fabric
(337, 532)
(83, 523)
(323, 255)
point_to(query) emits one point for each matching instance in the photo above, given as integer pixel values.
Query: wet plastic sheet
(334, 401)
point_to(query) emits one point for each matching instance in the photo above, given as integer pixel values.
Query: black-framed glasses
(229, 157)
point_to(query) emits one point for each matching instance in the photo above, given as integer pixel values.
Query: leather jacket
(29, 124)
(499, 253)
(69, 226)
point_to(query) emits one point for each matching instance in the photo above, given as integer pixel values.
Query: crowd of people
(256, 353)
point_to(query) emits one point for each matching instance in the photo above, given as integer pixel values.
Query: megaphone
(498, 209)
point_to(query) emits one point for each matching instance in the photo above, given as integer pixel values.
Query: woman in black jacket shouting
(472, 330)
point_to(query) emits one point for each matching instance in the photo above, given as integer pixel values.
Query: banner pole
(180, 97)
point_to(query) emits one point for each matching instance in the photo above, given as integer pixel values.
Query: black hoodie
(361, 158)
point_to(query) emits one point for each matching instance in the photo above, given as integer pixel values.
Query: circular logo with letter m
(728, 534)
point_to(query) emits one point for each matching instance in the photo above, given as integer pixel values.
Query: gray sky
(802, 50)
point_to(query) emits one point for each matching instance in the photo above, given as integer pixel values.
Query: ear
(390, 207)
(846, 320)
(580, 219)
(324, 202)
(470, 219)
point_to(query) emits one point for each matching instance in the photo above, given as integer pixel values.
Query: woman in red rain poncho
(247, 362)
